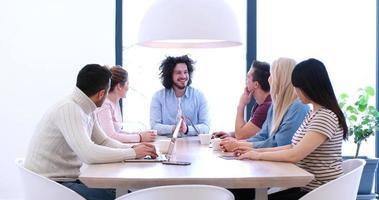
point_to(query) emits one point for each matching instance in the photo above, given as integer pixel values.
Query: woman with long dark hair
(316, 145)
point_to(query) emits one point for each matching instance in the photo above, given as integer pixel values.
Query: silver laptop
(162, 157)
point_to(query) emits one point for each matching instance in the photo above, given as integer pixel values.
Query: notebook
(162, 157)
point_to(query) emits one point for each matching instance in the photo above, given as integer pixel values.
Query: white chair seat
(182, 192)
(344, 187)
(42, 188)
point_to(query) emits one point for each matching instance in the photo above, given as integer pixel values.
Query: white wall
(216, 70)
(43, 45)
(343, 41)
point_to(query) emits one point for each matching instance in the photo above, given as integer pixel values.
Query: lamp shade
(189, 24)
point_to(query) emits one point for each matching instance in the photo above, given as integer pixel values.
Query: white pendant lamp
(189, 24)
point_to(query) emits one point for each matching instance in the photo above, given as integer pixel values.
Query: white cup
(163, 146)
(205, 138)
(216, 144)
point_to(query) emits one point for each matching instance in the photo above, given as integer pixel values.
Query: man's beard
(180, 86)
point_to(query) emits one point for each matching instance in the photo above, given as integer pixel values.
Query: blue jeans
(289, 194)
(243, 193)
(90, 193)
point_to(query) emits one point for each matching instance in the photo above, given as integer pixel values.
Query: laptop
(162, 157)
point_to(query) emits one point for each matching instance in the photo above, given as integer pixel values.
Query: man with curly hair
(178, 100)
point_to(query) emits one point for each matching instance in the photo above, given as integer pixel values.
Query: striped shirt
(325, 162)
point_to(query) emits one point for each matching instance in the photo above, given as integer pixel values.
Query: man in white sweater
(69, 135)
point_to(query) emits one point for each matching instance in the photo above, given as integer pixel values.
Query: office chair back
(39, 187)
(182, 192)
(344, 187)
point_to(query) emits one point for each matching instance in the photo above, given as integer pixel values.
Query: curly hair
(167, 68)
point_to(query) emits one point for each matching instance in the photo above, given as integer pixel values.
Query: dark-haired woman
(109, 114)
(316, 145)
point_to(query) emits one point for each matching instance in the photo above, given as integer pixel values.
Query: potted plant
(362, 120)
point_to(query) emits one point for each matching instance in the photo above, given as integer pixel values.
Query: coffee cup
(205, 139)
(216, 144)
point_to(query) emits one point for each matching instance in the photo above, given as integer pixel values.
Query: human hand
(252, 155)
(220, 134)
(230, 139)
(145, 149)
(229, 144)
(183, 126)
(245, 97)
(148, 136)
(242, 149)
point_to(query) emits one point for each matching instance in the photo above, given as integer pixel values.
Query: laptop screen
(176, 131)
(174, 137)
(170, 148)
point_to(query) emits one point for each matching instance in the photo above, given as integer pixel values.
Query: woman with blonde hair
(284, 116)
(109, 114)
(317, 144)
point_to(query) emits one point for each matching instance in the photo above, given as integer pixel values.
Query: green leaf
(362, 107)
(363, 99)
(371, 108)
(350, 109)
(362, 117)
(353, 118)
(343, 96)
(370, 91)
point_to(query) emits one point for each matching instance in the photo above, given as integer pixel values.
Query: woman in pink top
(109, 114)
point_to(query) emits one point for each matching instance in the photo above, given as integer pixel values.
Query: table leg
(260, 193)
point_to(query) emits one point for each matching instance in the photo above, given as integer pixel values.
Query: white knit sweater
(69, 135)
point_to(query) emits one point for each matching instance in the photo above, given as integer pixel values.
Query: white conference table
(206, 168)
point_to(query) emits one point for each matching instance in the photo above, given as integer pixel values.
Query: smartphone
(228, 157)
(176, 163)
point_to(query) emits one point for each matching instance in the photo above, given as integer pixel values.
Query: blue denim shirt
(291, 121)
(164, 110)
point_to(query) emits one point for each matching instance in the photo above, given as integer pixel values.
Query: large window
(340, 33)
(219, 73)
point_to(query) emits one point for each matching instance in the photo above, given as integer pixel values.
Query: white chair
(344, 187)
(182, 192)
(42, 188)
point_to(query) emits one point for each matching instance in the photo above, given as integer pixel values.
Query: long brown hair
(119, 75)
